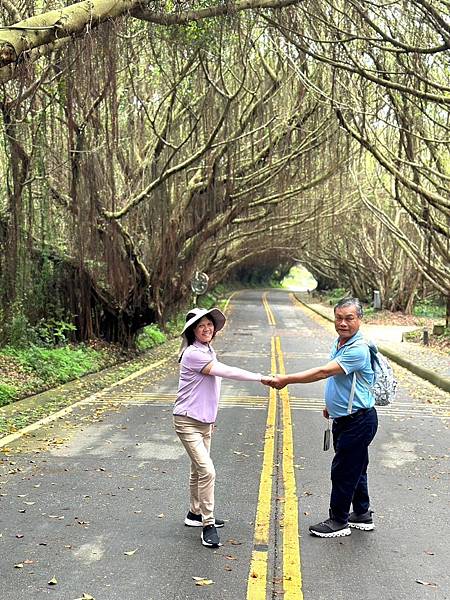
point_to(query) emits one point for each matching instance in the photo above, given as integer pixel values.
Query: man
(354, 423)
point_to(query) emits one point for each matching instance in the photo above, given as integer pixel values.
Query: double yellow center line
(288, 525)
(269, 312)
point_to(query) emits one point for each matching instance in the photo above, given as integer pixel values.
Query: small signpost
(199, 284)
(376, 300)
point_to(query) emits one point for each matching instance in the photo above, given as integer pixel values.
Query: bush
(18, 332)
(54, 332)
(150, 337)
(333, 296)
(428, 308)
(58, 365)
(174, 326)
(7, 393)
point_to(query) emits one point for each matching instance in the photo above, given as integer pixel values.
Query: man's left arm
(309, 376)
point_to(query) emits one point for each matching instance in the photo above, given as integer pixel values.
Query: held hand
(279, 382)
(276, 381)
(325, 413)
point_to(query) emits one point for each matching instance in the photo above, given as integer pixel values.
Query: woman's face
(204, 330)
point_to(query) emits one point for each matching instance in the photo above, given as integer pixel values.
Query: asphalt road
(96, 502)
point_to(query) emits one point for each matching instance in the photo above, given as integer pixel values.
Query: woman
(195, 412)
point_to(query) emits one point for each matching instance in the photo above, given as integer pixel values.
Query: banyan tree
(141, 144)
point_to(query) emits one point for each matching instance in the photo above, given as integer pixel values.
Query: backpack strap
(356, 374)
(352, 395)
(373, 359)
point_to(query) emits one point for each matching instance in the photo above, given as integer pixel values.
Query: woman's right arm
(219, 369)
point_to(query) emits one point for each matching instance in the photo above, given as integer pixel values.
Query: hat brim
(217, 315)
(219, 320)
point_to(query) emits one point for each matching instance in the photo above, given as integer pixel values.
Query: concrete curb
(441, 382)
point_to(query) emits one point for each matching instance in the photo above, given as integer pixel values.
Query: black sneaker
(193, 520)
(210, 537)
(330, 528)
(364, 521)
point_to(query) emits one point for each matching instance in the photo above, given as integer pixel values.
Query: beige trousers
(196, 438)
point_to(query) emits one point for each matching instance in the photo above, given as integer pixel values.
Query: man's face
(346, 322)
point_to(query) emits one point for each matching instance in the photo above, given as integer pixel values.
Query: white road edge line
(12, 437)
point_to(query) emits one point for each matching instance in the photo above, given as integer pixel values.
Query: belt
(357, 413)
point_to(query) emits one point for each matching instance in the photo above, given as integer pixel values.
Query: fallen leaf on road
(18, 566)
(426, 583)
(53, 581)
(130, 552)
(161, 516)
(202, 581)
(86, 597)
(230, 557)
(234, 543)
(430, 552)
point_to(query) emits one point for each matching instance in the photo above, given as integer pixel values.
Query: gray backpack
(384, 386)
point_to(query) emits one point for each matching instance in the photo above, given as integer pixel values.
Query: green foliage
(333, 296)
(258, 276)
(429, 308)
(54, 332)
(150, 337)
(195, 34)
(207, 300)
(57, 365)
(174, 325)
(19, 332)
(7, 393)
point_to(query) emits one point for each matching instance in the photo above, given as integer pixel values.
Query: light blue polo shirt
(353, 356)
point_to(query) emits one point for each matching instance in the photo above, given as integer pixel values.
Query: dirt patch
(384, 317)
(441, 343)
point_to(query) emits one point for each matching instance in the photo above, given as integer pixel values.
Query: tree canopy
(142, 143)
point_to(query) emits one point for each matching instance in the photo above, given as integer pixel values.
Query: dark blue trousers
(351, 439)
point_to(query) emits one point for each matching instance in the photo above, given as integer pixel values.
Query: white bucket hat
(194, 315)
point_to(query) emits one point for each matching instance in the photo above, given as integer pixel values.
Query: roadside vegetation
(39, 358)
(428, 315)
